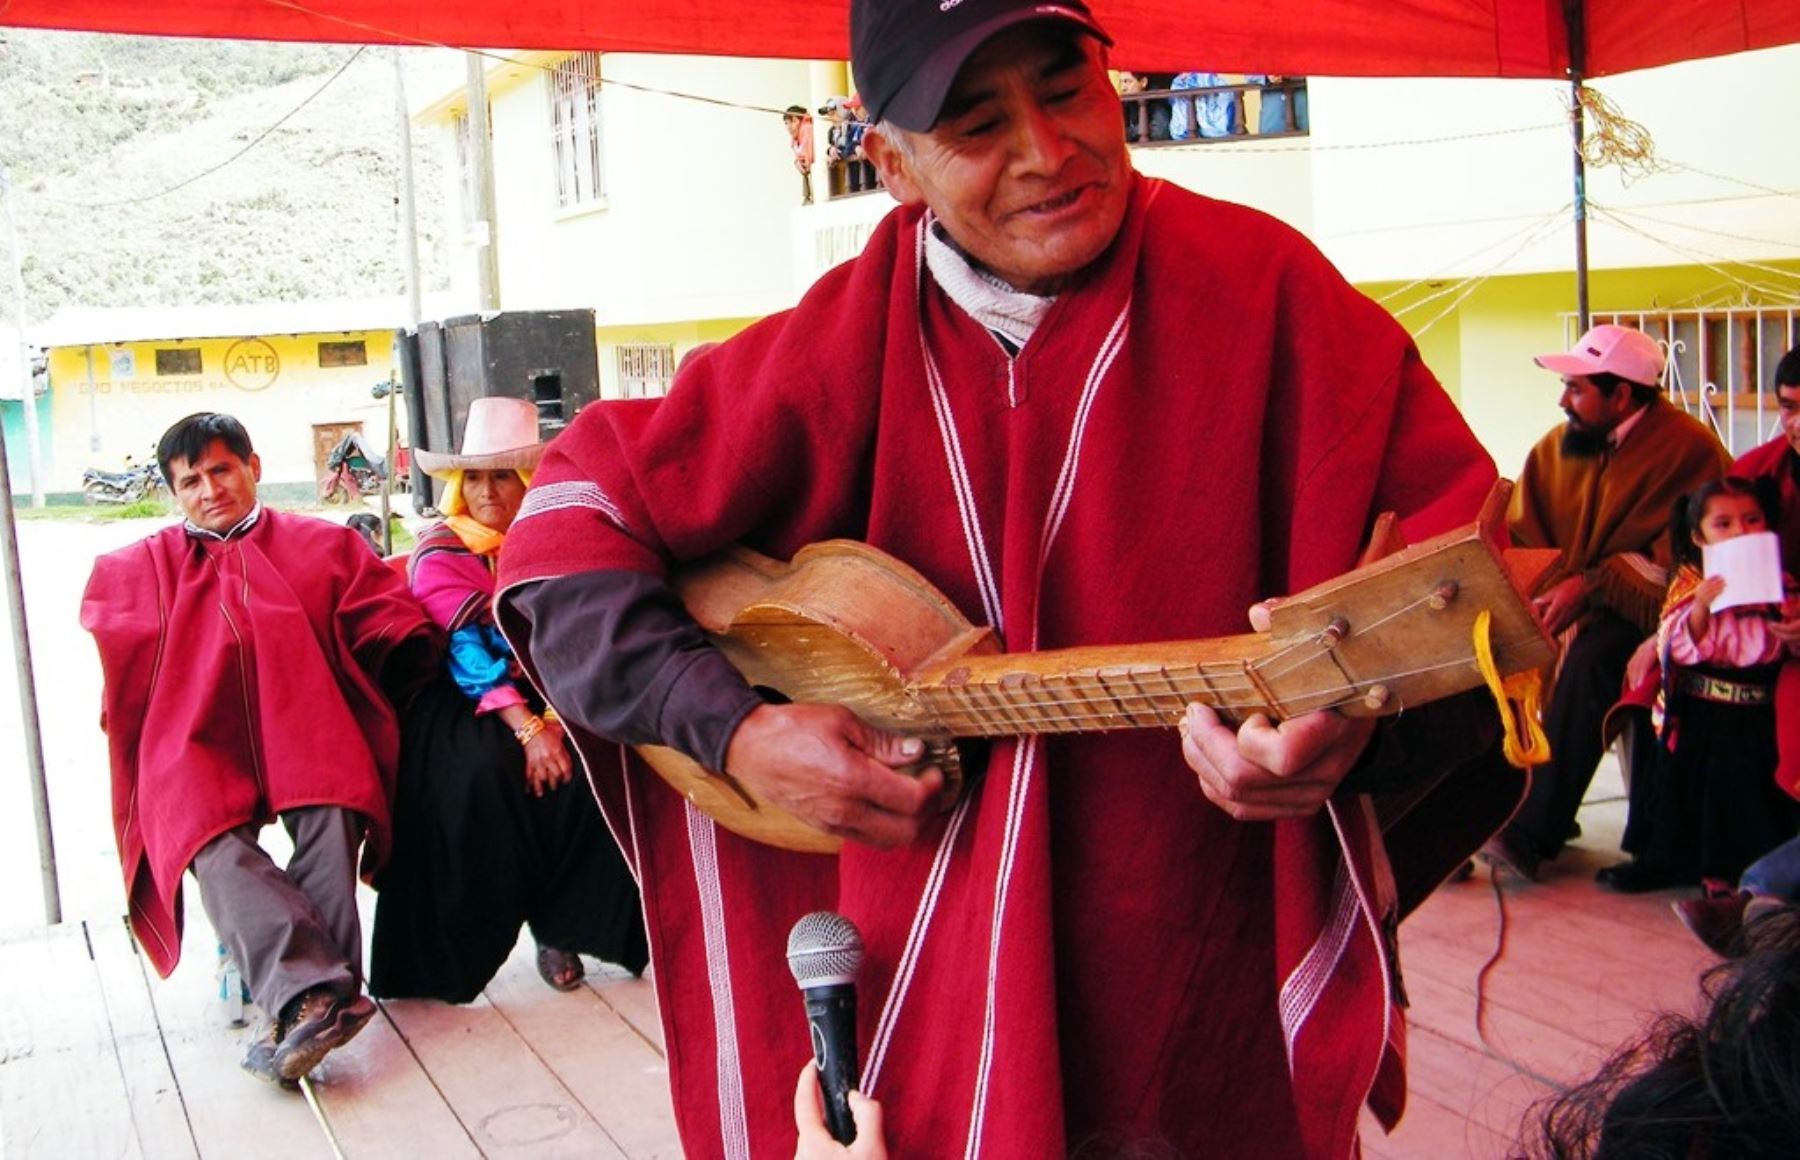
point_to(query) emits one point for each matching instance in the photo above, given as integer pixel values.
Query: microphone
(825, 952)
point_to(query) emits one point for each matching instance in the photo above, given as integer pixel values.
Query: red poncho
(1775, 460)
(241, 681)
(1086, 952)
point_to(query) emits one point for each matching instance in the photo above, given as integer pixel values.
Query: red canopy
(1516, 38)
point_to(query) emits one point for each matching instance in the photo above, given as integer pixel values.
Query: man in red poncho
(1090, 408)
(252, 660)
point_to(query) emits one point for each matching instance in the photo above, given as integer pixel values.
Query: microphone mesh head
(824, 949)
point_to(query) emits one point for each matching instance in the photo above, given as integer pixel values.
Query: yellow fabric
(1600, 512)
(475, 535)
(1518, 697)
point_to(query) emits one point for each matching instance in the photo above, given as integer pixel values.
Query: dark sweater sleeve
(620, 658)
(1421, 744)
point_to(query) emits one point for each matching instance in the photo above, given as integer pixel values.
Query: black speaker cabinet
(547, 356)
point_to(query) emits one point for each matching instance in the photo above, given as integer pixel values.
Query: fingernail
(912, 747)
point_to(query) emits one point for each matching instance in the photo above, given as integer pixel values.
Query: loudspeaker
(547, 356)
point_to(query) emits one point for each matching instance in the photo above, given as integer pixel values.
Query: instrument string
(1361, 631)
(1046, 709)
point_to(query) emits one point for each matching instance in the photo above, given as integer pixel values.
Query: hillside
(128, 194)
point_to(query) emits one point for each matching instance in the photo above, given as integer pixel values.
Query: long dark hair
(1690, 509)
(1726, 1084)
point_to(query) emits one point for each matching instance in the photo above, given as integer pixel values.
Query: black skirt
(475, 856)
(1710, 806)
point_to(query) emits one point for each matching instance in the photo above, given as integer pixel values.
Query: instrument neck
(1087, 690)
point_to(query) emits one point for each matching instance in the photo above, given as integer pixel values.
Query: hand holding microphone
(825, 953)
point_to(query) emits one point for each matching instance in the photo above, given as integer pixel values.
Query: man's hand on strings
(823, 764)
(1261, 771)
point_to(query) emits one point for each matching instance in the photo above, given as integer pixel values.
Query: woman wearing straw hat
(491, 827)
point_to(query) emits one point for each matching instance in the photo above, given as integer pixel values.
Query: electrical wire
(1493, 960)
(1633, 213)
(1465, 287)
(1557, 216)
(1708, 261)
(210, 170)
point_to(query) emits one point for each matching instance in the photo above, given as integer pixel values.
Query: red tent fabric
(1514, 38)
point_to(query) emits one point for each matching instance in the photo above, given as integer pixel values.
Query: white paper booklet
(1751, 566)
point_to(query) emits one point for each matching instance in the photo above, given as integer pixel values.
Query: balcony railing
(1186, 116)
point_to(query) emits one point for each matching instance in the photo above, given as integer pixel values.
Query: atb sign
(251, 364)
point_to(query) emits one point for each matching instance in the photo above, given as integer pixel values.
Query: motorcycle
(136, 482)
(351, 471)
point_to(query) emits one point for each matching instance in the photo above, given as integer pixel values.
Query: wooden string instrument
(845, 623)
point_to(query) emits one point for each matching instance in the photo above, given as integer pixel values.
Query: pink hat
(1607, 349)
(501, 434)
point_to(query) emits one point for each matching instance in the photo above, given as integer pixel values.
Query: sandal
(563, 970)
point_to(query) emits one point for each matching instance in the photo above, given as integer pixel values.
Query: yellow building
(298, 375)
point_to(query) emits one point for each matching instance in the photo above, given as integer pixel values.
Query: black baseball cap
(907, 53)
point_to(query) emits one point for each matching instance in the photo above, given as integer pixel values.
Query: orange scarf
(475, 535)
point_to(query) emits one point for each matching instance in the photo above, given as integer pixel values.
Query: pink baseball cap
(1607, 349)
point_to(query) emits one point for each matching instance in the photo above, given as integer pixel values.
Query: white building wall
(697, 194)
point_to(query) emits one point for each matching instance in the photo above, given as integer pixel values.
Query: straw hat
(501, 434)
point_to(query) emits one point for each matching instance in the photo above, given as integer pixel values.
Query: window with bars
(575, 129)
(1721, 364)
(646, 369)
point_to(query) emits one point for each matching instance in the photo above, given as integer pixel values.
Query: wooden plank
(376, 1096)
(226, 1106)
(378, 1100)
(1489, 1093)
(633, 999)
(1447, 1010)
(1429, 1131)
(61, 1091)
(616, 1074)
(1594, 986)
(510, 1103)
(159, 1119)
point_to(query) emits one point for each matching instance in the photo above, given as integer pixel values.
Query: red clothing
(1086, 949)
(1775, 459)
(241, 681)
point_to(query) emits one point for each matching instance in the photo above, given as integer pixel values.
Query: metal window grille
(1721, 364)
(645, 369)
(575, 129)
(343, 354)
(178, 361)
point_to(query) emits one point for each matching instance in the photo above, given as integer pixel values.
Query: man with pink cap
(1599, 488)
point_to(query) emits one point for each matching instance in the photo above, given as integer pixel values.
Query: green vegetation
(100, 133)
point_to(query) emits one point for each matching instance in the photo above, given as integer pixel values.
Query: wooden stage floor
(99, 1058)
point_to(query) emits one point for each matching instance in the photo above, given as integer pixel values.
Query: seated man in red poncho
(253, 660)
(1090, 408)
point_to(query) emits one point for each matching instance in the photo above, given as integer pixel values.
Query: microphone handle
(831, 1017)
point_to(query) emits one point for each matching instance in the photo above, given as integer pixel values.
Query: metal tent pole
(1575, 18)
(15, 601)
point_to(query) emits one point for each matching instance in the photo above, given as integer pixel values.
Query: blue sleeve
(479, 659)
